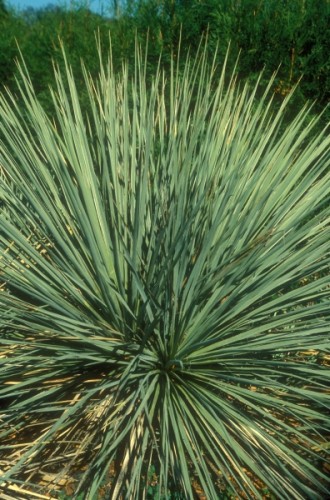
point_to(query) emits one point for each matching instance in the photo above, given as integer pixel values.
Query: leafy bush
(292, 36)
(164, 265)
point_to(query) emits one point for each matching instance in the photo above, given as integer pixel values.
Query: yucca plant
(165, 288)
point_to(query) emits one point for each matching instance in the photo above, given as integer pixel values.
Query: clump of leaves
(164, 260)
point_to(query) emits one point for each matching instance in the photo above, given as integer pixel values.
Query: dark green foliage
(291, 37)
(3, 9)
(10, 27)
(269, 33)
(37, 33)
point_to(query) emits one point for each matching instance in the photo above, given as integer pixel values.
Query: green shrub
(164, 265)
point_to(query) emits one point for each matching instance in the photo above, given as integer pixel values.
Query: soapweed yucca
(165, 287)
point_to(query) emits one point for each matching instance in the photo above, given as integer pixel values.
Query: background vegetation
(293, 34)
